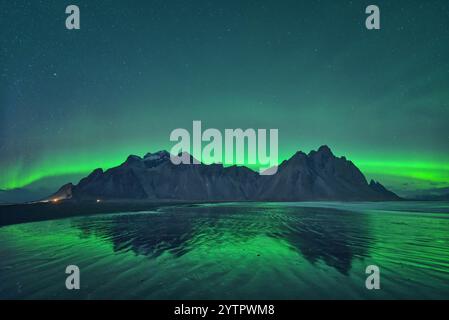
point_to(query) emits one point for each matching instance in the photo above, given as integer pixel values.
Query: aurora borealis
(75, 100)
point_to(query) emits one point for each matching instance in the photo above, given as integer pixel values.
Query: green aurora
(421, 174)
(73, 101)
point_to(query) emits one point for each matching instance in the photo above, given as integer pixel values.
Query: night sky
(75, 100)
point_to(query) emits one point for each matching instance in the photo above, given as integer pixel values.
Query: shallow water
(234, 251)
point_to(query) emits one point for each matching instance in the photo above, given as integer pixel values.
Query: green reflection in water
(234, 251)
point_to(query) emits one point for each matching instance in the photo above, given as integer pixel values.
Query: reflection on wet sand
(332, 236)
(234, 251)
(144, 234)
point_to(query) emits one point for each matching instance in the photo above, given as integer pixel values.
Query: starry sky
(75, 100)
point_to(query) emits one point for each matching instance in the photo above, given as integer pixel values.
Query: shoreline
(11, 214)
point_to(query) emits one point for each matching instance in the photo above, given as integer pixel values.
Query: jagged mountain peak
(133, 158)
(163, 154)
(325, 149)
(318, 175)
(323, 153)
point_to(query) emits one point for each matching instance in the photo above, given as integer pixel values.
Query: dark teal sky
(71, 101)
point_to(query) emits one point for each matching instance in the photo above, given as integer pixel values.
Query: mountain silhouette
(317, 176)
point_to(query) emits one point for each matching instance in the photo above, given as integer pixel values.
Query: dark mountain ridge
(317, 176)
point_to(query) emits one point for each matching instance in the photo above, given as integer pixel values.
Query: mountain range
(317, 176)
